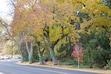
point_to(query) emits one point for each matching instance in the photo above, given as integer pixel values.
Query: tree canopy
(52, 24)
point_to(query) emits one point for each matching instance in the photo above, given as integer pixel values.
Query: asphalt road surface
(10, 67)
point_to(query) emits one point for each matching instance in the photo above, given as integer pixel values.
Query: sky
(5, 9)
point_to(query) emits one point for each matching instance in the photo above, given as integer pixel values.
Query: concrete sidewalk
(68, 68)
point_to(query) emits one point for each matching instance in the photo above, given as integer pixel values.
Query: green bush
(96, 57)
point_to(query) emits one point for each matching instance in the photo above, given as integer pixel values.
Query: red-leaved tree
(78, 53)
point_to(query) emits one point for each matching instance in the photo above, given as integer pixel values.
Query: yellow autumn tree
(99, 16)
(40, 19)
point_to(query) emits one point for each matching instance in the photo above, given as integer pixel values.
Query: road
(10, 67)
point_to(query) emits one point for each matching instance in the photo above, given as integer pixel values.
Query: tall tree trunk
(30, 51)
(41, 55)
(53, 56)
(51, 46)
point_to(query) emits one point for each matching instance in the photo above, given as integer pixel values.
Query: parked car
(4, 57)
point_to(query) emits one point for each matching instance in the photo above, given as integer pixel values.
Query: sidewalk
(67, 68)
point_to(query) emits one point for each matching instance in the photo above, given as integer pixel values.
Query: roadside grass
(73, 64)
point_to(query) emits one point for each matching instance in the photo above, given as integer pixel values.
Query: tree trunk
(53, 56)
(51, 47)
(41, 59)
(40, 55)
(22, 57)
(30, 58)
(30, 51)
